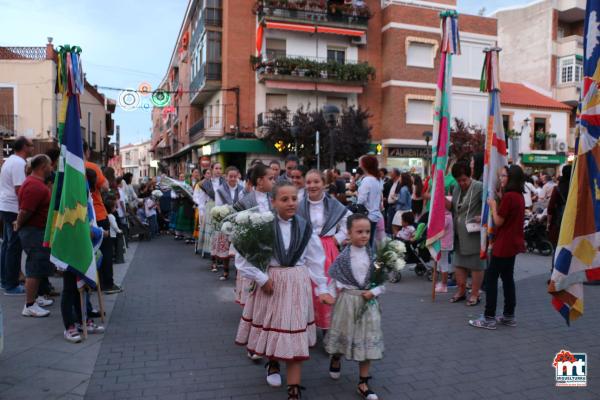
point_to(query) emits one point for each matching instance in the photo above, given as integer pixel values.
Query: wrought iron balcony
(317, 12)
(264, 118)
(209, 72)
(197, 127)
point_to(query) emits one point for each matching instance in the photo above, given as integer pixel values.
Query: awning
(256, 146)
(184, 150)
(340, 31)
(290, 27)
(286, 26)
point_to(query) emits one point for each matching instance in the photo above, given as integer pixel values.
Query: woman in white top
(328, 219)
(261, 178)
(369, 192)
(278, 319)
(205, 201)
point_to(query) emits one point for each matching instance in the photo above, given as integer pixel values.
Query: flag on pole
(441, 131)
(577, 257)
(495, 143)
(68, 225)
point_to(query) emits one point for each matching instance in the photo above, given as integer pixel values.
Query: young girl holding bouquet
(278, 318)
(328, 219)
(261, 178)
(356, 323)
(227, 194)
(205, 202)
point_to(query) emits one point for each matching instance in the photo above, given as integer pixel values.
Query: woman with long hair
(417, 195)
(328, 219)
(370, 192)
(509, 241)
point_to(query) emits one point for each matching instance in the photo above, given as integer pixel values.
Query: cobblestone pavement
(171, 337)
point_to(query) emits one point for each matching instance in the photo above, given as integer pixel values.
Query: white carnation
(400, 264)
(255, 218)
(227, 228)
(267, 217)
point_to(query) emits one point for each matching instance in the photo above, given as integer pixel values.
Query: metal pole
(331, 147)
(318, 151)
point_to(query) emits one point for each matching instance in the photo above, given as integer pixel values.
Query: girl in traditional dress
(278, 319)
(199, 232)
(328, 219)
(262, 179)
(206, 202)
(227, 194)
(356, 323)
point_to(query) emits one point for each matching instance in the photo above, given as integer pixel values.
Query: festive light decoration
(160, 98)
(129, 100)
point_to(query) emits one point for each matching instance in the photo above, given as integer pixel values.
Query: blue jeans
(10, 257)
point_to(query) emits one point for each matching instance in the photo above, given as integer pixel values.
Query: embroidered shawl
(249, 201)
(334, 211)
(341, 269)
(207, 186)
(225, 194)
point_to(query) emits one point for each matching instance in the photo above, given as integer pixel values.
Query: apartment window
(276, 48)
(468, 63)
(93, 144)
(213, 53)
(506, 122)
(570, 69)
(127, 158)
(217, 113)
(276, 101)
(539, 125)
(336, 55)
(420, 55)
(209, 116)
(419, 112)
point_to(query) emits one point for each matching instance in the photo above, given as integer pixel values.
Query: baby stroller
(417, 255)
(137, 228)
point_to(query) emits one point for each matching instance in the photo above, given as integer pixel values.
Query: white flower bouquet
(252, 234)
(219, 214)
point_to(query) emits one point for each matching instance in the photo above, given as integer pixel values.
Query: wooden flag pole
(100, 298)
(434, 280)
(83, 312)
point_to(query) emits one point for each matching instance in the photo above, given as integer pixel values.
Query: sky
(124, 42)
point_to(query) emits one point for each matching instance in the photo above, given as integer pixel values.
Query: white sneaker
(253, 356)
(441, 288)
(43, 301)
(71, 335)
(34, 311)
(273, 378)
(93, 328)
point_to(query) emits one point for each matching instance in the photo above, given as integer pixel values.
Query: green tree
(465, 140)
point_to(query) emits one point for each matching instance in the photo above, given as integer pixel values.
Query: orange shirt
(99, 208)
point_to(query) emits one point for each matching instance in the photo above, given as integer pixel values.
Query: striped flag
(495, 143)
(441, 131)
(69, 219)
(577, 257)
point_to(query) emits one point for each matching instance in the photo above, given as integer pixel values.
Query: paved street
(170, 336)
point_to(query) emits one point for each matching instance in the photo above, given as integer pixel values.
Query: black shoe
(367, 394)
(295, 392)
(94, 314)
(334, 372)
(113, 289)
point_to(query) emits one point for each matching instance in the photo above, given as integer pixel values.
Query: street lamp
(330, 113)
(427, 135)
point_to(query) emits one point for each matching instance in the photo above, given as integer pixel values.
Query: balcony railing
(208, 71)
(197, 127)
(318, 12)
(7, 124)
(264, 118)
(209, 16)
(306, 67)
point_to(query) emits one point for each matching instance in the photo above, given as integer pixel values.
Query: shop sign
(550, 159)
(408, 152)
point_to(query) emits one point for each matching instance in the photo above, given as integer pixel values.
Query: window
(419, 112)
(336, 55)
(275, 48)
(506, 122)
(420, 55)
(276, 101)
(468, 64)
(214, 47)
(209, 115)
(570, 69)
(339, 102)
(93, 144)
(217, 112)
(539, 125)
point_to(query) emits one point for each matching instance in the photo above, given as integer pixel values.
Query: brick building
(222, 100)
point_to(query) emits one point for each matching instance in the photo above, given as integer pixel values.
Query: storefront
(546, 163)
(238, 152)
(412, 159)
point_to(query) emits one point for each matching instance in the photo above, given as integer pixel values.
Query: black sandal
(366, 394)
(456, 299)
(334, 372)
(295, 392)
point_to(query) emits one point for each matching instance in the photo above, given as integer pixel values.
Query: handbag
(472, 227)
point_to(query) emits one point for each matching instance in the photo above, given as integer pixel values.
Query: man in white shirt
(12, 176)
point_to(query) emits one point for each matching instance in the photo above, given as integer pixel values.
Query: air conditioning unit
(359, 40)
(562, 147)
